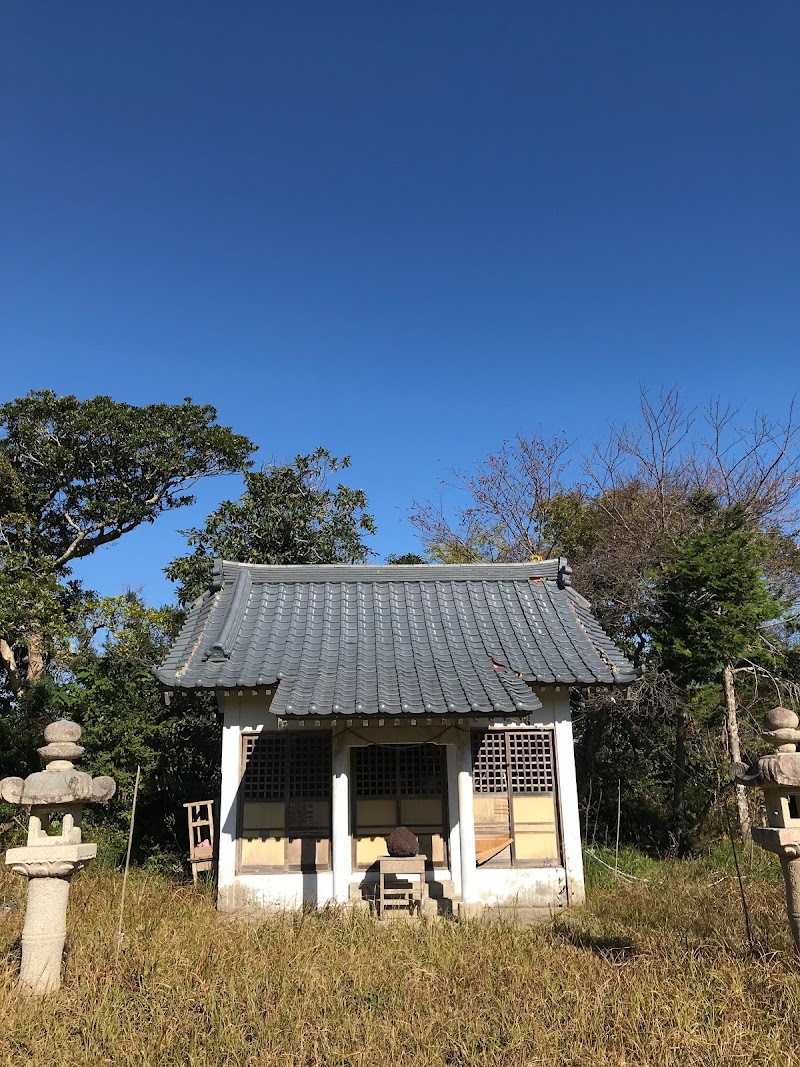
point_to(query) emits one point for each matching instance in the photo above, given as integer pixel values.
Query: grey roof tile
(388, 640)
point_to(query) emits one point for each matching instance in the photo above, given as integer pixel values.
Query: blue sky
(405, 232)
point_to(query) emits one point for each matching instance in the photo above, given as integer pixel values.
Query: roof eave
(170, 681)
(618, 679)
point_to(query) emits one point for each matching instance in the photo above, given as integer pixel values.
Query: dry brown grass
(651, 974)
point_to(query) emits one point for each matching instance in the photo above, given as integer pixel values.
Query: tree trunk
(734, 751)
(679, 780)
(37, 661)
(9, 662)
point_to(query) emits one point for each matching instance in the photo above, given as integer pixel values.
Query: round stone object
(61, 750)
(781, 719)
(62, 730)
(401, 843)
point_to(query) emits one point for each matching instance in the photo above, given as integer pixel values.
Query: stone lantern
(779, 776)
(50, 859)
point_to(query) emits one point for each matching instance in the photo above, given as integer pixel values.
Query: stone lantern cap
(59, 784)
(781, 768)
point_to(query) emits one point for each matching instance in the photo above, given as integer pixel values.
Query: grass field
(656, 971)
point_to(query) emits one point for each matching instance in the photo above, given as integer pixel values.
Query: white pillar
(466, 821)
(229, 795)
(568, 802)
(452, 758)
(341, 840)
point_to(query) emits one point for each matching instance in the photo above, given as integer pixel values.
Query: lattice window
(519, 761)
(285, 811)
(419, 771)
(386, 770)
(309, 767)
(376, 771)
(398, 785)
(530, 760)
(516, 821)
(284, 768)
(300, 814)
(264, 767)
(489, 763)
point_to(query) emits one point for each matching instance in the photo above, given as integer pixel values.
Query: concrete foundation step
(516, 913)
(441, 894)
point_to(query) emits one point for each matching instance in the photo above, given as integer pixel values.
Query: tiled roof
(389, 640)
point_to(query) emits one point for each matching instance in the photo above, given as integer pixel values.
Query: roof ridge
(556, 569)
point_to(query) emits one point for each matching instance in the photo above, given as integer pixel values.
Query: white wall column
(454, 841)
(466, 820)
(341, 839)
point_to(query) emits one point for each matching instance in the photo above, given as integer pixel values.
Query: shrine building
(356, 699)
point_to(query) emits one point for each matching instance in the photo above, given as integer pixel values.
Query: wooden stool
(408, 894)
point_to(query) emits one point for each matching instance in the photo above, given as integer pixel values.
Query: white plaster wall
(528, 887)
(237, 892)
(249, 892)
(341, 836)
(452, 816)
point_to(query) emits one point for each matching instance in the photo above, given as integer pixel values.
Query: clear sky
(403, 231)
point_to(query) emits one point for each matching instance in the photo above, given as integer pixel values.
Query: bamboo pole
(127, 865)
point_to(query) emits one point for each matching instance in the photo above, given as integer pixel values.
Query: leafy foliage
(711, 597)
(287, 514)
(76, 475)
(79, 474)
(682, 532)
(126, 723)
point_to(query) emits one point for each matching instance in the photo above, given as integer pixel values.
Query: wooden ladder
(200, 814)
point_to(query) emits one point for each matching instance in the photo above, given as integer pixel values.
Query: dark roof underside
(426, 640)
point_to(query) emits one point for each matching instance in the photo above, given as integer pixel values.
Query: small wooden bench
(403, 892)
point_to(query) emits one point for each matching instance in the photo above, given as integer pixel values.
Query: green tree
(406, 559)
(76, 475)
(711, 604)
(711, 597)
(126, 722)
(287, 514)
(620, 515)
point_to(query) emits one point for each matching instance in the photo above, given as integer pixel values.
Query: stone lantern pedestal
(51, 856)
(779, 777)
(785, 843)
